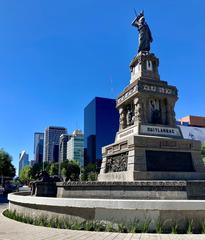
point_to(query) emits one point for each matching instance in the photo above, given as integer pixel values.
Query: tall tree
(6, 167)
(26, 175)
(53, 169)
(71, 170)
(36, 169)
(89, 172)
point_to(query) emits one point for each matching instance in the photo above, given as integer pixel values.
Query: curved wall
(113, 210)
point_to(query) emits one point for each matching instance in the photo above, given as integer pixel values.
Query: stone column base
(152, 158)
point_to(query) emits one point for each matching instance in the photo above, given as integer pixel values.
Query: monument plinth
(148, 144)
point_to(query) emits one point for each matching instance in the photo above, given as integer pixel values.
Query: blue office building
(101, 122)
(38, 147)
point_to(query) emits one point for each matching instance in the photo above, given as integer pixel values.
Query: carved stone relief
(164, 111)
(155, 111)
(171, 113)
(117, 163)
(137, 111)
(129, 115)
(122, 118)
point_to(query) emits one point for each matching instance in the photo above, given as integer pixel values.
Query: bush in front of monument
(70, 170)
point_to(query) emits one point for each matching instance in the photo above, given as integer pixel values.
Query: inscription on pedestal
(127, 94)
(153, 88)
(159, 131)
(128, 132)
(168, 144)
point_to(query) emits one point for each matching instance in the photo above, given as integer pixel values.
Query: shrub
(68, 223)
(70, 170)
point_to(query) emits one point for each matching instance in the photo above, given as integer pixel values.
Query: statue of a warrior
(145, 36)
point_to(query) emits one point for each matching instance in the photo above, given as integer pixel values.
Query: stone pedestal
(148, 144)
(44, 189)
(152, 158)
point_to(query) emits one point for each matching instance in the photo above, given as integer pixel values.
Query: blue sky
(55, 56)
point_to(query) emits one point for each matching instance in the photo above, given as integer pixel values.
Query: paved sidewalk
(13, 230)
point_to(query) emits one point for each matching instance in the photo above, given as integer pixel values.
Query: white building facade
(75, 147)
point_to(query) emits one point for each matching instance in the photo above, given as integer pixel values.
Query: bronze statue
(145, 36)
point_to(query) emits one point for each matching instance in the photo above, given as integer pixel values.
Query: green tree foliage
(70, 170)
(25, 175)
(92, 176)
(50, 168)
(6, 167)
(36, 169)
(89, 173)
(53, 169)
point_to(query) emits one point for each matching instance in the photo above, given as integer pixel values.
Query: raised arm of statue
(136, 23)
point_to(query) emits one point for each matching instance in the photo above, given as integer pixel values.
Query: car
(24, 188)
(9, 187)
(1, 190)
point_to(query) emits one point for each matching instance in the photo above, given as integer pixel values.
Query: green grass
(174, 228)
(202, 227)
(190, 227)
(144, 226)
(132, 227)
(159, 226)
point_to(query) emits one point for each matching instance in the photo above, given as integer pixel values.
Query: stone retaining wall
(169, 212)
(123, 190)
(194, 189)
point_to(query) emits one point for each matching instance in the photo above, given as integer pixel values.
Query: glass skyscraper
(101, 122)
(23, 160)
(64, 138)
(38, 147)
(51, 143)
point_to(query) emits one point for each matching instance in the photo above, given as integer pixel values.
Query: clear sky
(57, 55)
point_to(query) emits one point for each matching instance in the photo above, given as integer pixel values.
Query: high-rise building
(32, 163)
(38, 147)
(64, 138)
(75, 147)
(23, 160)
(101, 122)
(51, 143)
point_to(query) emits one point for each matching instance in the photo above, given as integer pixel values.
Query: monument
(148, 144)
(149, 175)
